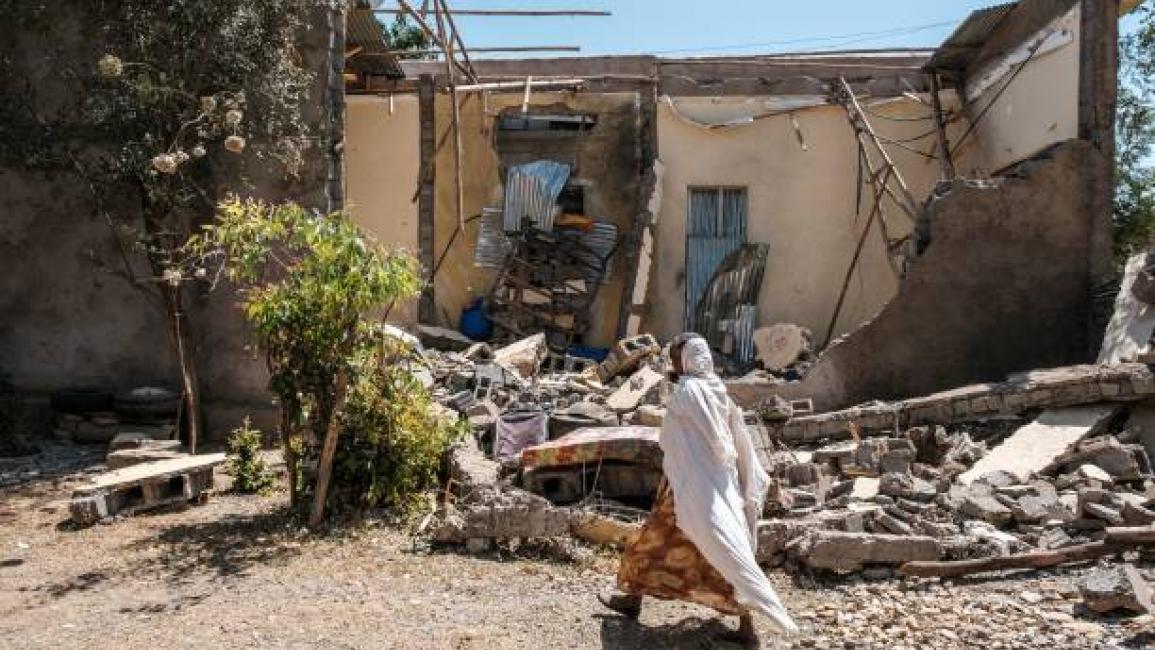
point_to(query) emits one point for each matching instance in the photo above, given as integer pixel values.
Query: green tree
(408, 40)
(1134, 219)
(310, 285)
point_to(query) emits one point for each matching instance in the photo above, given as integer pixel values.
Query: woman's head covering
(696, 358)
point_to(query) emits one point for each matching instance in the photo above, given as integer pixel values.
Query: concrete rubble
(1046, 462)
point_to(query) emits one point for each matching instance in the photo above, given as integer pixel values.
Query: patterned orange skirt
(662, 562)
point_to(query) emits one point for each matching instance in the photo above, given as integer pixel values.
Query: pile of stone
(525, 380)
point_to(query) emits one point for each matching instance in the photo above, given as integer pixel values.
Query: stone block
(1107, 589)
(986, 508)
(846, 552)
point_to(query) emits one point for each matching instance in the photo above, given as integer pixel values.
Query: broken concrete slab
(168, 450)
(143, 487)
(1037, 389)
(441, 338)
(496, 514)
(630, 395)
(1107, 589)
(986, 508)
(781, 344)
(1037, 445)
(847, 552)
(1120, 462)
(649, 415)
(522, 356)
(469, 468)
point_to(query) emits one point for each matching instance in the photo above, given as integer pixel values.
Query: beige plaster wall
(801, 201)
(1039, 106)
(382, 160)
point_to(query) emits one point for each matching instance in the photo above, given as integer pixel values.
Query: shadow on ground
(619, 632)
(224, 547)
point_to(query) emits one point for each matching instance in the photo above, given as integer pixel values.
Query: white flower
(198, 151)
(164, 163)
(235, 143)
(233, 117)
(208, 104)
(172, 276)
(200, 273)
(181, 157)
(110, 66)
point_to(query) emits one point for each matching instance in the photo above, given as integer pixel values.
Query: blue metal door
(715, 227)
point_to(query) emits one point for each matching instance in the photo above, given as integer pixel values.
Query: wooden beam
(511, 12)
(447, 42)
(472, 74)
(433, 37)
(946, 165)
(476, 50)
(519, 85)
(426, 190)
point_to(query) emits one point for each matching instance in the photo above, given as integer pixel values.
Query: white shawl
(718, 484)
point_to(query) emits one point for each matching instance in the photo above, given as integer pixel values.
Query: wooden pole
(877, 207)
(439, 8)
(509, 12)
(946, 165)
(883, 231)
(1117, 540)
(475, 50)
(472, 75)
(517, 85)
(429, 32)
(852, 101)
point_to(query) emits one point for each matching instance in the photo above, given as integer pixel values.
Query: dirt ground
(233, 573)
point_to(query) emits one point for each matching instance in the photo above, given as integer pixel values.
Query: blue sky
(720, 27)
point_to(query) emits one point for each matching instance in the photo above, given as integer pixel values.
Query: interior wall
(1025, 111)
(1001, 288)
(801, 191)
(382, 163)
(607, 161)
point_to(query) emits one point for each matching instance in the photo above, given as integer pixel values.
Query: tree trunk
(328, 450)
(185, 352)
(289, 411)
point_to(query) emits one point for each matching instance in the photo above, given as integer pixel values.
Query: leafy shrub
(251, 475)
(394, 436)
(309, 283)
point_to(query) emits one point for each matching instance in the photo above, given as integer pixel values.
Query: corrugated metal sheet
(493, 245)
(737, 282)
(531, 192)
(744, 333)
(363, 30)
(961, 46)
(602, 241)
(715, 228)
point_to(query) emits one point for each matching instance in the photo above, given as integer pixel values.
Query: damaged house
(860, 196)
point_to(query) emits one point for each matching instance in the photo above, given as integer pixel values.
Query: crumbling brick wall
(1003, 286)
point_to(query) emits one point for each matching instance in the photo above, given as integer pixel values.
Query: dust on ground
(236, 572)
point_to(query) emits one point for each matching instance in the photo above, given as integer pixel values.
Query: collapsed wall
(1002, 286)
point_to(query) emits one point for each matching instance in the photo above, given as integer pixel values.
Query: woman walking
(698, 544)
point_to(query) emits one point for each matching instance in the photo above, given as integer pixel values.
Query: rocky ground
(234, 573)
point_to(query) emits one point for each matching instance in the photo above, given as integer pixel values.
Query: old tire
(81, 400)
(147, 404)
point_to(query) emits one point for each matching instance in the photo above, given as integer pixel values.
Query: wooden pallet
(143, 487)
